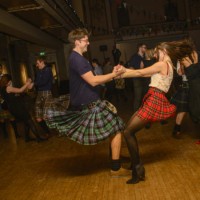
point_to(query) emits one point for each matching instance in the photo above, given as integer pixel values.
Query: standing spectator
(149, 60)
(136, 62)
(43, 84)
(110, 86)
(99, 71)
(116, 54)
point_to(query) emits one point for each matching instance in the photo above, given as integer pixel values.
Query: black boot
(138, 174)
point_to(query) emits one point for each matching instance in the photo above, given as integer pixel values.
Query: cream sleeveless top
(162, 82)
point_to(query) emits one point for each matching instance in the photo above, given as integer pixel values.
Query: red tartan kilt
(156, 106)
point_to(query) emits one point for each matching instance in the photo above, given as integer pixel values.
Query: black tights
(135, 124)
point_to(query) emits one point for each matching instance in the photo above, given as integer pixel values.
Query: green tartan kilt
(88, 126)
(55, 106)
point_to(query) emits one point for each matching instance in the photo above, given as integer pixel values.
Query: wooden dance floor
(60, 169)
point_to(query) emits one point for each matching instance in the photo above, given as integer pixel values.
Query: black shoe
(138, 174)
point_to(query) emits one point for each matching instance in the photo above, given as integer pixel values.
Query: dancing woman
(155, 106)
(17, 106)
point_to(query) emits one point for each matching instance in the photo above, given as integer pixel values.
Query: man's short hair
(77, 34)
(140, 45)
(41, 58)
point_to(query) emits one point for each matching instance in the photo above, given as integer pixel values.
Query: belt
(82, 107)
(90, 105)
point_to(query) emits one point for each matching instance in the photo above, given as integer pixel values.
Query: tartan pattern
(88, 126)
(156, 106)
(181, 98)
(56, 106)
(42, 96)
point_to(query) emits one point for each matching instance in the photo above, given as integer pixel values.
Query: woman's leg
(14, 125)
(134, 125)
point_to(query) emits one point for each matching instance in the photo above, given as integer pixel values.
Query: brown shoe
(120, 173)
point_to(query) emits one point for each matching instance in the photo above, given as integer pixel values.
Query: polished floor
(60, 169)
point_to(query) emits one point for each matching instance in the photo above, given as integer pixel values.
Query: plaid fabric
(42, 96)
(5, 114)
(181, 98)
(56, 106)
(156, 106)
(89, 125)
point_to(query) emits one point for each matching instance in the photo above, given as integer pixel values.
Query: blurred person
(136, 62)
(43, 84)
(99, 71)
(187, 55)
(16, 105)
(116, 54)
(110, 86)
(180, 99)
(5, 115)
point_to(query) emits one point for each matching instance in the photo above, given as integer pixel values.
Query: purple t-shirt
(81, 93)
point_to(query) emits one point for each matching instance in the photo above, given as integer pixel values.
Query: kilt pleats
(88, 126)
(156, 106)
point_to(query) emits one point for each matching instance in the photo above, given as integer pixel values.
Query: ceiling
(49, 17)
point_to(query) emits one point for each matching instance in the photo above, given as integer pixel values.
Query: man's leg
(116, 146)
(39, 115)
(116, 169)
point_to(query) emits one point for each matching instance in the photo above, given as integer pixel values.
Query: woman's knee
(127, 133)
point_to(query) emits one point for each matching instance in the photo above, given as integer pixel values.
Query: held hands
(119, 70)
(29, 83)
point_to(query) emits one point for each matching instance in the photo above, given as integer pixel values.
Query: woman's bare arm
(146, 72)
